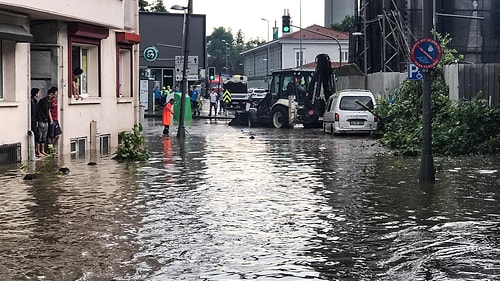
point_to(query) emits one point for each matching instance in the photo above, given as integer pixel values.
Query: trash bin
(177, 108)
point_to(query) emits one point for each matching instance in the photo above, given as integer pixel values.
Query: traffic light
(286, 24)
(211, 73)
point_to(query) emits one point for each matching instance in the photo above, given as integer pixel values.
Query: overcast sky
(246, 14)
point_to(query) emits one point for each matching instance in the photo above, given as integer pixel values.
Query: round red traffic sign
(426, 53)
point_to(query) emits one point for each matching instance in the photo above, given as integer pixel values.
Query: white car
(350, 111)
(257, 93)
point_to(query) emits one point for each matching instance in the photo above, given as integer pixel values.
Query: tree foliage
(222, 42)
(132, 145)
(158, 7)
(346, 24)
(143, 5)
(458, 128)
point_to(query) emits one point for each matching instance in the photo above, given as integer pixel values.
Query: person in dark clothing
(44, 119)
(35, 94)
(294, 87)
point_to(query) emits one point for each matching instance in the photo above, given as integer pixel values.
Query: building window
(86, 57)
(78, 147)
(85, 44)
(104, 146)
(125, 73)
(298, 58)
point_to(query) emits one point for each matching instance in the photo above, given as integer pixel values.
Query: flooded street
(235, 203)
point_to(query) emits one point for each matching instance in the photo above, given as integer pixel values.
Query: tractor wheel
(280, 118)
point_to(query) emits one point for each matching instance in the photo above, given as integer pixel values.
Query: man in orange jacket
(167, 113)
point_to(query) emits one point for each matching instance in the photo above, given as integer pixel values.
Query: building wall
(165, 32)
(110, 13)
(14, 109)
(46, 61)
(282, 56)
(311, 49)
(14, 104)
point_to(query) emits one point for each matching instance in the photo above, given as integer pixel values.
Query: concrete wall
(110, 13)
(381, 84)
(451, 78)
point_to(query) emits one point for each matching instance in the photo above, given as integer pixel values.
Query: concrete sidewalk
(204, 112)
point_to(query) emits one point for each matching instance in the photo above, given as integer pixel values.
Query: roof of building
(314, 32)
(350, 69)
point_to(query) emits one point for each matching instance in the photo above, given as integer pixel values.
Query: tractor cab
(290, 82)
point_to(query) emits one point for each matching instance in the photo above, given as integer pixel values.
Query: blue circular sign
(151, 53)
(426, 53)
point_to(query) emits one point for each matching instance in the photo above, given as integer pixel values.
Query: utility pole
(427, 173)
(267, 56)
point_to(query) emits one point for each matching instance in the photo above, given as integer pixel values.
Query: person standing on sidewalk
(213, 102)
(167, 113)
(195, 95)
(222, 103)
(54, 129)
(35, 94)
(44, 119)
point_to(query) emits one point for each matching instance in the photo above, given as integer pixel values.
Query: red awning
(128, 38)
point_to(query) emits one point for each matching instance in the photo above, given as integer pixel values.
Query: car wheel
(280, 118)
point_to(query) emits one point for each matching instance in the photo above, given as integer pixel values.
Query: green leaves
(132, 145)
(458, 128)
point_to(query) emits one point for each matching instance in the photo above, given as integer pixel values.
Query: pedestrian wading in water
(167, 113)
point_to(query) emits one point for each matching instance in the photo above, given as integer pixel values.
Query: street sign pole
(427, 173)
(181, 131)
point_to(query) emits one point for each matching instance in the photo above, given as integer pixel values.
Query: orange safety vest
(167, 114)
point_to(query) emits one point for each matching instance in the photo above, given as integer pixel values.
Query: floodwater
(236, 203)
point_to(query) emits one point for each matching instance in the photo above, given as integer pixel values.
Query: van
(257, 93)
(350, 111)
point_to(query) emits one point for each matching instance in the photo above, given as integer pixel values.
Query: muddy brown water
(233, 203)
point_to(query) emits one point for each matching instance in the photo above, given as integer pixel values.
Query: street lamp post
(181, 131)
(365, 62)
(267, 56)
(226, 44)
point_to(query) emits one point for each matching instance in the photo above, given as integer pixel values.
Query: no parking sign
(426, 53)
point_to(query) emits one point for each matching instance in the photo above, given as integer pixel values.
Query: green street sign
(151, 53)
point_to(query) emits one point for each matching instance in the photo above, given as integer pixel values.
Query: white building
(40, 43)
(285, 52)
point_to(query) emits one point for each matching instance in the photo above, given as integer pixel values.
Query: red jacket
(167, 114)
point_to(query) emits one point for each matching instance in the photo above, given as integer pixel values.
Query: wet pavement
(235, 203)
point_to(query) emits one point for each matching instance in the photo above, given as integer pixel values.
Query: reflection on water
(239, 203)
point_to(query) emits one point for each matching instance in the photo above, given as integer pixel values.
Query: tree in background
(143, 5)
(216, 49)
(238, 48)
(345, 26)
(158, 7)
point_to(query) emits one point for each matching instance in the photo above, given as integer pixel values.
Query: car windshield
(349, 103)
